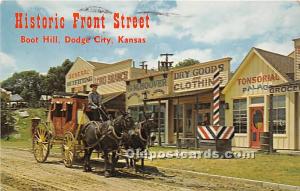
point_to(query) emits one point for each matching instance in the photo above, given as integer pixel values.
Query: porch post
(177, 124)
(271, 127)
(159, 124)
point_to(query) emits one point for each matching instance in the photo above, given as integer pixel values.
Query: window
(189, 117)
(69, 112)
(240, 115)
(58, 110)
(257, 100)
(178, 118)
(162, 116)
(222, 113)
(279, 115)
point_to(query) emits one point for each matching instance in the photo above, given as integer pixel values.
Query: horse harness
(101, 132)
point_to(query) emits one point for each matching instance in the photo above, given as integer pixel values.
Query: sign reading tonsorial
(200, 76)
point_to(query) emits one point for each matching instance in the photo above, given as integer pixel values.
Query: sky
(202, 30)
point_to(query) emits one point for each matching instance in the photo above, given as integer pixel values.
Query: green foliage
(27, 84)
(187, 62)
(7, 122)
(31, 85)
(23, 129)
(55, 79)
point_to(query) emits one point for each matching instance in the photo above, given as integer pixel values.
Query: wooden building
(110, 78)
(248, 93)
(183, 96)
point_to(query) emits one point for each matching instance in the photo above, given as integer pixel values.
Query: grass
(276, 168)
(22, 137)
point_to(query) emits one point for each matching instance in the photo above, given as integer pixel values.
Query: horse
(137, 139)
(104, 137)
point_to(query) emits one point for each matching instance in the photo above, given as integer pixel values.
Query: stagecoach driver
(95, 104)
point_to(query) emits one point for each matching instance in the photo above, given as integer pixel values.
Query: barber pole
(215, 131)
(216, 96)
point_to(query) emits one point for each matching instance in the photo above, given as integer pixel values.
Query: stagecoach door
(256, 125)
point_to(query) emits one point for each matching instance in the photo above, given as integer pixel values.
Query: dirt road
(20, 171)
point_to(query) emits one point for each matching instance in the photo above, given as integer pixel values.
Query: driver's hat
(93, 85)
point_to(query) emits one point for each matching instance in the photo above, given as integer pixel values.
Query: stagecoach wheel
(69, 149)
(41, 143)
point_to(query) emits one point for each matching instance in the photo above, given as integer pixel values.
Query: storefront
(191, 98)
(185, 97)
(248, 96)
(154, 87)
(109, 77)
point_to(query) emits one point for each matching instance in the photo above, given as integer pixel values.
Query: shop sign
(285, 88)
(200, 77)
(78, 74)
(111, 78)
(80, 81)
(152, 88)
(146, 85)
(256, 83)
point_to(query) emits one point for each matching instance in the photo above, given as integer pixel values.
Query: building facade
(110, 78)
(248, 97)
(182, 95)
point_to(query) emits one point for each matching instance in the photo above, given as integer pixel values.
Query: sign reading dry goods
(199, 76)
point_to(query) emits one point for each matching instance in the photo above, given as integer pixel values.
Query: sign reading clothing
(199, 77)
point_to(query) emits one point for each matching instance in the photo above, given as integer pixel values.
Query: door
(256, 125)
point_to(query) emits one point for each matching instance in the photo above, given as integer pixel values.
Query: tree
(187, 62)
(31, 85)
(55, 78)
(27, 84)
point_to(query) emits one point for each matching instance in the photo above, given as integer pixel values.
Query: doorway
(256, 125)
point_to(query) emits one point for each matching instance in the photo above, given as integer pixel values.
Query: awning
(181, 94)
(108, 97)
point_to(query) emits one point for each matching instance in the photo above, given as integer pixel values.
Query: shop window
(240, 115)
(73, 90)
(279, 115)
(162, 116)
(204, 106)
(188, 118)
(178, 118)
(222, 113)
(257, 100)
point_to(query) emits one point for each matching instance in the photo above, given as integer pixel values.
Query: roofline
(147, 76)
(252, 50)
(296, 39)
(78, 57)
(285, 79)
(202, 63)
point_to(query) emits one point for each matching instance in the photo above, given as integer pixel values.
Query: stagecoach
(66, 115)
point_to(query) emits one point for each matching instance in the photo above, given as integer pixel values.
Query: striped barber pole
(216, 96)
(215, 132)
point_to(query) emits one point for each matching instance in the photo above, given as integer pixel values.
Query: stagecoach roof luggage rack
(70, 95)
